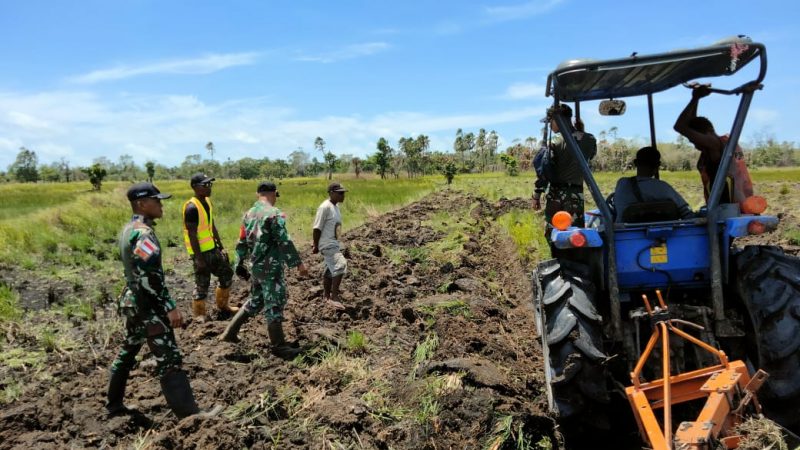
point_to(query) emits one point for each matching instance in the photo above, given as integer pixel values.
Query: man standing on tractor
(263, 240)
(564, 183)
(700, 132)
(205, 247)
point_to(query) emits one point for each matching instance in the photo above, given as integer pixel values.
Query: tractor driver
(646, 188)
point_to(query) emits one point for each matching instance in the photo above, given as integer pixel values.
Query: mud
(384, 394)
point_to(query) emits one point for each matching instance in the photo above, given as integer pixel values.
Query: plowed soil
(449, 358)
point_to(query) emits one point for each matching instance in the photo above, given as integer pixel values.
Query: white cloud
(166, 129)
(521, 11)
(524, 91)
(347, 52)
(203, 65)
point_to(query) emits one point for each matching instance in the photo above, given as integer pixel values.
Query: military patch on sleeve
(145, 248)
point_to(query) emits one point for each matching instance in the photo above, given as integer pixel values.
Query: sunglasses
(206, 184)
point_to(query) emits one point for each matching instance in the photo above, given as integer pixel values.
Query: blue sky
(159, 79)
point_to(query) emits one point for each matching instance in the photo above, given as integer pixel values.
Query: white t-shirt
(329, 222)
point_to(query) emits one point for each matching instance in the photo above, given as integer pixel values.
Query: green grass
(64, 224)
(381, 406)
(426, 348)
(9, 305)
(18, 200)
(452, 307)
(506, 435)
(19, 358)
(526, 229)
(356, 342)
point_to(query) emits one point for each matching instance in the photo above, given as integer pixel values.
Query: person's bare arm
(700, 140)
(317, 234)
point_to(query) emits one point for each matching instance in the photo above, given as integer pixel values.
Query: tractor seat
(660, 211)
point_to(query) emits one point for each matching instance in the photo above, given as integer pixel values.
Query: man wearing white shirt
(327, 227)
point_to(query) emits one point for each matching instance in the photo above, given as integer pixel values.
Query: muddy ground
(449, 358)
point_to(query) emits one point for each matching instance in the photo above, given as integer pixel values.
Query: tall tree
(50, 172)
(480, 149)
(126, 168)
(469, 145)
(299, 161)
(329, 157)
(383, 157)
(458, 145)
(66, 172)
(210, 149)
(319, 145)
(330, 163)
(491, 148)
(24, 167)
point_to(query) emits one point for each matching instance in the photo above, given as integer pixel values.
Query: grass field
(69, 225)
(61, 231)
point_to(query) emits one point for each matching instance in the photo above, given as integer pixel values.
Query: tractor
(669, 314)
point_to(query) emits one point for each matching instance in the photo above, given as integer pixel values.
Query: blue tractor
(590, 312)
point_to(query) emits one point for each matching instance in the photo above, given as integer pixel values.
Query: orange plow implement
(727, 387)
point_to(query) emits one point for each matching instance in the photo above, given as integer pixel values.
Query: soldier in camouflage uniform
(263, 237)
(565, 190)
(149, 312)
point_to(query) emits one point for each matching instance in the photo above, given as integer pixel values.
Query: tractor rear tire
(570, 328)
(768, 282)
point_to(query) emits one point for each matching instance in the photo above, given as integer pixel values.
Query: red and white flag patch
(145, 248)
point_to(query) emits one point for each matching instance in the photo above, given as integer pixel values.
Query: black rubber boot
(279, 346)
(231, 333)
(178, 392)
(116, 393)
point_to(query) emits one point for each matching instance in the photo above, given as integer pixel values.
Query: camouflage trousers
(145, 325)
(567, 198)
(217, 264)
(268, 293)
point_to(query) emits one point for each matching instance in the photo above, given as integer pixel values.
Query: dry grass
(761, 434)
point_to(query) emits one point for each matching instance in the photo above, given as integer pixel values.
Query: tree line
(412, 157)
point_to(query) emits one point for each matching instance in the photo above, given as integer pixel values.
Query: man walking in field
(204, 245)
(327, 227)
(149, 312)
(264, 239)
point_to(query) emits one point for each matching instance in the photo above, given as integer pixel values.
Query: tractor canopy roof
(586, 79)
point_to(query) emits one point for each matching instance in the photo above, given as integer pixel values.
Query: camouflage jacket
(263, 237)
(141, 259)
(567, 168)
